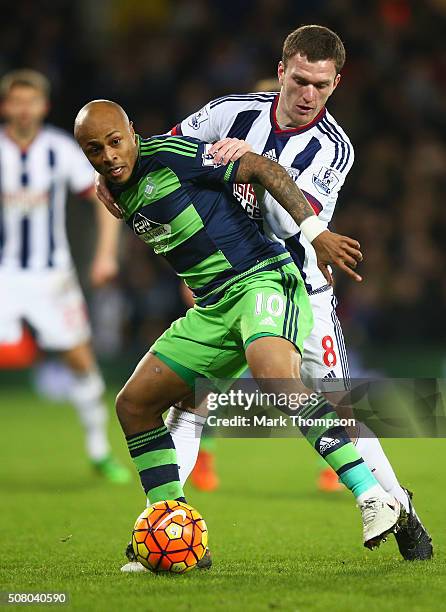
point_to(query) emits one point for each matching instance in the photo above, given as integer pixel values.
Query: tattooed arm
(329, 247)
(255, 168)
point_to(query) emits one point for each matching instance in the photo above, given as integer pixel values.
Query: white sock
(369, 447)
(185, 429)
(86, 396)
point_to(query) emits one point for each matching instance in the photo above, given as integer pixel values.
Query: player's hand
(339, 250)
(103, 270)
(106, 197)
(229, 150)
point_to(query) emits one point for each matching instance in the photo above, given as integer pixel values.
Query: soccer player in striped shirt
(38, 163)
(172, 195)
(295, 128)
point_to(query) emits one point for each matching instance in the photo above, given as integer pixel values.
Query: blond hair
(25, 77)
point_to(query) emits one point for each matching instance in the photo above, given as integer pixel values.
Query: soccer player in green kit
(251, 304)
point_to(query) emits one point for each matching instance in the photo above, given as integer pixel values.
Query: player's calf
(151, 389)
(319, 423)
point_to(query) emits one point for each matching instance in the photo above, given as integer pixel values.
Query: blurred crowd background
(163, 59)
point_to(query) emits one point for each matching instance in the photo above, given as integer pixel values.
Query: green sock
(155, 457)
(334, 445)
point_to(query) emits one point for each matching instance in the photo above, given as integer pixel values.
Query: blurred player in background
(38, 163)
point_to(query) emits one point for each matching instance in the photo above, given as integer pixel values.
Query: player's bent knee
(127, 408)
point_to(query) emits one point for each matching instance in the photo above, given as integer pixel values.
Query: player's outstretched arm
(104, 267)
(330, 248)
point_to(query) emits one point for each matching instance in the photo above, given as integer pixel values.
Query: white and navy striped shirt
(33, 193)
(318, 156)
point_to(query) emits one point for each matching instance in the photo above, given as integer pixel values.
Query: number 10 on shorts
(274, 304)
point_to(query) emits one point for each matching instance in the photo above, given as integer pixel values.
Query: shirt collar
(297, 130)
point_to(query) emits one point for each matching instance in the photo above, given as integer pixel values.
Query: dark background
(164, 59)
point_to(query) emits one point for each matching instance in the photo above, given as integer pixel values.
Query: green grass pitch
(277, 543)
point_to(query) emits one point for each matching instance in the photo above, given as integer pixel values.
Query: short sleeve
(201, 125)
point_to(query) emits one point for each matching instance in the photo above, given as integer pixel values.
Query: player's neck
(22, 138)
(283, 121)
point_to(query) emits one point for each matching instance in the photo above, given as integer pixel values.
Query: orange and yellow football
(169, 536)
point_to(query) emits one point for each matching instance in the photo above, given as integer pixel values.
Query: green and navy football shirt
(175, 202)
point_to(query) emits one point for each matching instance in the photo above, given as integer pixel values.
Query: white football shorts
(324, 362)
(51, 302)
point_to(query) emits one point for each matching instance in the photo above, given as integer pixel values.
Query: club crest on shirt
(208, 159)
(150, 189)
(325, 180)
(196, 120)
(155, 234)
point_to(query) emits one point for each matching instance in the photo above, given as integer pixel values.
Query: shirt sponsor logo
(25, 199)
(325, 180)
(196, 120)
(155, 234)
(246, 197)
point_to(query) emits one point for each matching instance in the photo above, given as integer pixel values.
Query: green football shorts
(210, 341)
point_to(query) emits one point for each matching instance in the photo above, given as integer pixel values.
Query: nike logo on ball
(170, 516)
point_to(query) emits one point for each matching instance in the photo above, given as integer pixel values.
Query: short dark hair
(316, 43)
(27, 78)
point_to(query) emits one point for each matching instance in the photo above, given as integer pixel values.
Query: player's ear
(132, 129)
(280, 72)
(336, 81)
